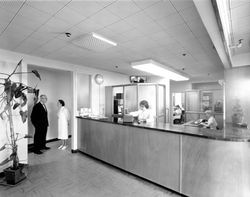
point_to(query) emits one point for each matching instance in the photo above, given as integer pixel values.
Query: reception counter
(190, 160)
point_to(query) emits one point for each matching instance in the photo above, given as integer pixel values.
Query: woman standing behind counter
(143, 114)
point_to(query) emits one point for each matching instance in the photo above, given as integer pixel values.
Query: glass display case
(122, 99)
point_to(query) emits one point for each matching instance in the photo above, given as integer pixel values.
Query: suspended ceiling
(160, 30)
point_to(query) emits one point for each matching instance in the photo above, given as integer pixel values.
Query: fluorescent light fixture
(104, 39)
(155, 68)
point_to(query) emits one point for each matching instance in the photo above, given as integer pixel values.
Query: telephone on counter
(197, 122)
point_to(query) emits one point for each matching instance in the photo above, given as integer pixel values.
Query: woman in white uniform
(143, 114)
(63, 122)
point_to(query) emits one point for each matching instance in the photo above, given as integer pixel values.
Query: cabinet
(123, 99)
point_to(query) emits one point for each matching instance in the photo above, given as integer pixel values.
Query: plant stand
(13, 177)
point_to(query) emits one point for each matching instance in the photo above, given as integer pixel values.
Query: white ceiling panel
(133, 34)
(123, 8)
(50, 7)
(39, 16)
(182, 4)
(120, 27)
(5, 16)
(54, 26)
(171, 21)
(11, 6)
(104, 18)
(88, 26)
(68, 15)
(241, 11)
(189, 13)
(179, 31)
(85, 8)
(138, 19)
(150, 28)
(145, 4)
(28, 46)
(157, 29)
(160, 10)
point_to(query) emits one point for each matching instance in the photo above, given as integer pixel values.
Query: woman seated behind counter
(143, 114)
(211, 122)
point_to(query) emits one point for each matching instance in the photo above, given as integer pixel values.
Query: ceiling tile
(88, 26)
(160, 36)
(138, 19)
(28, 46)
(170, 21)
(42, 36)
(70, 16)
(11, 6)
(120, 27)
(85, 8)
(237, 3)
(50, 7)
(27, 11)
(144, 4)
(197, 28)
(54, 26)
(241, 11)
(190, 13)
(123, 8)
(132, 34)
(104, 18)
(179, 31)
(149, 28)
(160, 10)
(5, 16)
(182, 4)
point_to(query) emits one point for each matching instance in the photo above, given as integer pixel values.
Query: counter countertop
(229, 133)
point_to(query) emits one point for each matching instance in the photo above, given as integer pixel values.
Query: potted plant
(12, 98)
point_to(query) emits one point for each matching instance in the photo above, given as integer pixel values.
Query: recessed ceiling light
(95, 35)
(155, 68)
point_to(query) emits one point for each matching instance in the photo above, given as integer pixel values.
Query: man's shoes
(38, 152)
(46, 148)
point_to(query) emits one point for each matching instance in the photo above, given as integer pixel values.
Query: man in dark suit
(39, 118)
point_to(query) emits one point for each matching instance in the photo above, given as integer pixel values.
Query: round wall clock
(99, 79)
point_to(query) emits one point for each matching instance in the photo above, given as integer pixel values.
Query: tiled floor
(61, 173)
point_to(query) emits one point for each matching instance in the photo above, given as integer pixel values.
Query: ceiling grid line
(12, 18)
(191, 32)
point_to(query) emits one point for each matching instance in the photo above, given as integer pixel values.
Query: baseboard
(30, 146)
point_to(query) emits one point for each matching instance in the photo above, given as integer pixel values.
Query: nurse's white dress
(63, 118)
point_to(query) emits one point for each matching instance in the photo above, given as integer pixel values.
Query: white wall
(110, 78)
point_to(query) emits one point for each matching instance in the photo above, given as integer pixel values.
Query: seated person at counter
(177, 114)
(143, 114)
(211, 122)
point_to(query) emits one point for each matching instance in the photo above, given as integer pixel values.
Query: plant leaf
(3, 147)
(36, 73)
(7, 160)
(16, 105)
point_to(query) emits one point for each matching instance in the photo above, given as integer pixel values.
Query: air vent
(94, 42)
